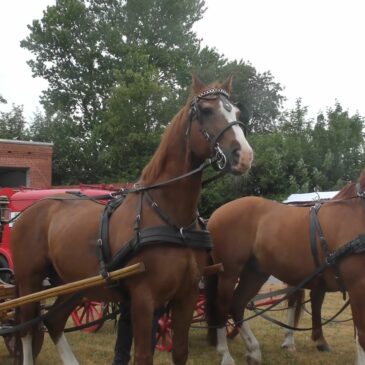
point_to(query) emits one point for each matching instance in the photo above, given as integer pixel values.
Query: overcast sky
(313, 48)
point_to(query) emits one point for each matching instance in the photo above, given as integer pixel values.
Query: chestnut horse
(156, 224)
(254, 238)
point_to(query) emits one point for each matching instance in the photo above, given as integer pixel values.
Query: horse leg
(356, 294)
(250, 283)
(360, 346)
(317, 296)
(182, 314)
(56, 325)
(142, 307)
(223, 301)
(29, 337)
(294, 308)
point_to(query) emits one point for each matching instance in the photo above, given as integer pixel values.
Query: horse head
(214, 127)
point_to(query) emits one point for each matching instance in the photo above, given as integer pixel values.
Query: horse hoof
(289, 348)
(324, 347)
(227, 360)
(252, 361)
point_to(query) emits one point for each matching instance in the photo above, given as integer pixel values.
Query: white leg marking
(65, 352)
(360, 354)
(289, 334)
(222, 347)
(253, 348)
(27, 350)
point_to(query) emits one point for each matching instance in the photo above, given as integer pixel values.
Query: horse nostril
(236, 155)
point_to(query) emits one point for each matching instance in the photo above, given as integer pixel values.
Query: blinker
(226, 104)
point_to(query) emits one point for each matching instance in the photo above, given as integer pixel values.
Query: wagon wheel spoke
(88, 312)
(164, 333)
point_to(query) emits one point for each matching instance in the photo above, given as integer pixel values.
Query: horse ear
(197, 85)
(227, 85)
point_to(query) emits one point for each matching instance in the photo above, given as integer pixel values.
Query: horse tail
(299, 299)
(211, 283)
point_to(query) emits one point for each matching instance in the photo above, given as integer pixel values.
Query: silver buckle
(220, 157)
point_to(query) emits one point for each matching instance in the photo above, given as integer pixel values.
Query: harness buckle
(221, 159)
(182, 233)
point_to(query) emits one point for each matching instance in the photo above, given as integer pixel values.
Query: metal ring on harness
(221, 159)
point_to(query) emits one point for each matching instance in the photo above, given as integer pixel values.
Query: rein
(285, 325)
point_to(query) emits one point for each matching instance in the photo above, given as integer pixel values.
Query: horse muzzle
(239, 160)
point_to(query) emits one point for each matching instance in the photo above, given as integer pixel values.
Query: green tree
(13, 124)
(87, 49)
(117, 71)
(338, 140)
(132, 124)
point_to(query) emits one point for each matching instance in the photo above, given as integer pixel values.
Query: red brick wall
(36, 157)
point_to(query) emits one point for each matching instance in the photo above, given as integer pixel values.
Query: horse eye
(206, 110)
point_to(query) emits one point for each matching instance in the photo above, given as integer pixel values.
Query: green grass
(97, 348)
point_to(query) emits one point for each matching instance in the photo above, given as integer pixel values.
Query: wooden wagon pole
(72, 287)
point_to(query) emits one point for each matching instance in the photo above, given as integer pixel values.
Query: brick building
(24, 163)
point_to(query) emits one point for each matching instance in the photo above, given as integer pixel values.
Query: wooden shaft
(72, 287)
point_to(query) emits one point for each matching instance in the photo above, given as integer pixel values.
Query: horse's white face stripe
(231, 117)
(360, 358)
(27, 350)
(246, 153)
(65, 351)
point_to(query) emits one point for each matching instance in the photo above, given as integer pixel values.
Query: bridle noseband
(219, 156)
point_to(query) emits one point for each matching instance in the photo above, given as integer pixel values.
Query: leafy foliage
(118, 71)
(13, 124)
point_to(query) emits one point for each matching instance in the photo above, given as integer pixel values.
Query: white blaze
(246, 153)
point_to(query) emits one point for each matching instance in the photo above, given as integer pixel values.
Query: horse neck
(172, 159)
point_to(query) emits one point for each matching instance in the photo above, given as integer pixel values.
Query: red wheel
(164, 333)
(88, 312)
(199, 312)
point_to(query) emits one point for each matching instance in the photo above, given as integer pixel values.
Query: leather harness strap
(194, 235)
(314, 231)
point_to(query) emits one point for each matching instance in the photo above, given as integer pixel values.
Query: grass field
(97, 348)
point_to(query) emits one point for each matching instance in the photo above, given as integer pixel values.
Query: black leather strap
(161, 235)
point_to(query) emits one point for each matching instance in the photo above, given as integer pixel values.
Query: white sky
(314, 48)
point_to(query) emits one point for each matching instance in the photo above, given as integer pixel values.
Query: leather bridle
(218, 155)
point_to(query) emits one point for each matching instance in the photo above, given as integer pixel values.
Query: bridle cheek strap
(221, 132)
(220, 157)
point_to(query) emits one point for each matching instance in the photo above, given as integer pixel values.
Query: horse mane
(171, 137)
(346, 192)
(349, 190)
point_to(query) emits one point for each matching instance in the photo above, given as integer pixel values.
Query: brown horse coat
(255, 238)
